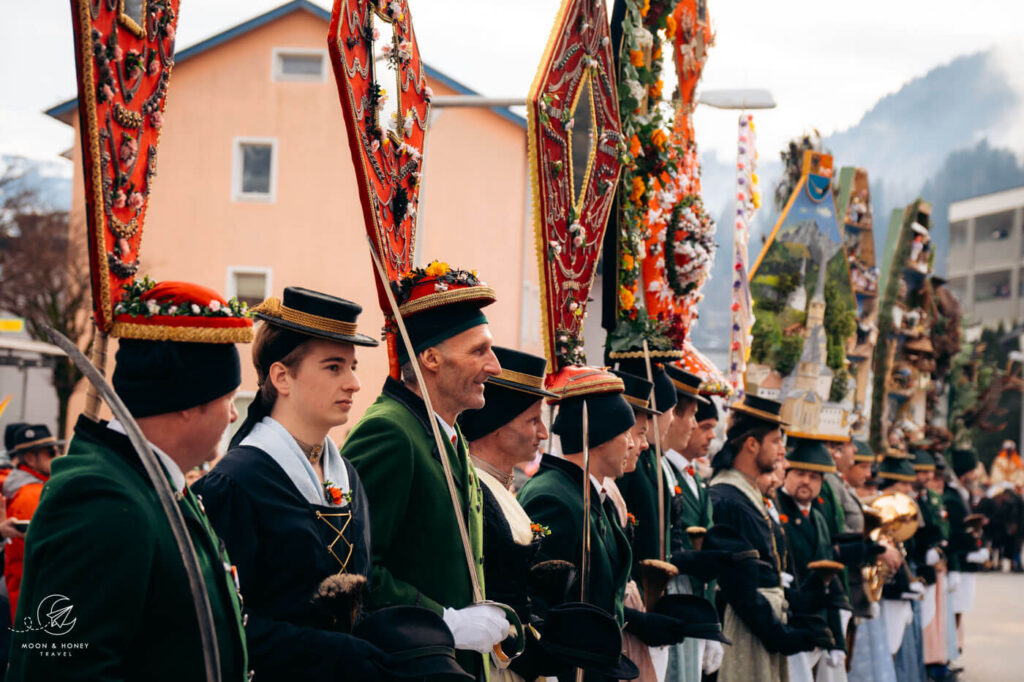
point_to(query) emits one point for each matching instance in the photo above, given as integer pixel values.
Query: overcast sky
(825, 62)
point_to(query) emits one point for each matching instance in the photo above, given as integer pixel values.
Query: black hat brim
(623, 669)
(438, 667)
(523, 388)
(18, 449)
(354, 339)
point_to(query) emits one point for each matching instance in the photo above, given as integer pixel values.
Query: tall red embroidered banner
(124, 53)
(367, 41)
(575, 144)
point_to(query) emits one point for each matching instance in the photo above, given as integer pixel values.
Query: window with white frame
(254, 172)
(251, 285)
(299, 64)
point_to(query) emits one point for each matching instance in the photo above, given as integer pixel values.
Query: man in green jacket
(418, 553)
(105, 594)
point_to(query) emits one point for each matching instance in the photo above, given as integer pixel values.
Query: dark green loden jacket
(418, 556)
(554, 498)
(100, 540)
(687, 511)
(639, 489)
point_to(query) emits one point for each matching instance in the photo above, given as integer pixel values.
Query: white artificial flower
(194, 308)
(214, 305)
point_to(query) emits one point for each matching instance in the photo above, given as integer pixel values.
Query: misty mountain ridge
(953, 133)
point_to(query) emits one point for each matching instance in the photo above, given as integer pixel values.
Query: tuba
(894, 516)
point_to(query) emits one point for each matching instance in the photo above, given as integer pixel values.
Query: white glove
(952, 581)
(478, 627)
(834, 658)
(978, 556)
(787, 579)
(916, 592)
(713, 652)
(932, 557)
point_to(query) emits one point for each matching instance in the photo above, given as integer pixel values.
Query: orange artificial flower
(655, 90)
(646, 8)
(626, 298)
(658, 139)
(638, 190)
(679, 491)
(335, 494)
(627, 261)
(636, 58)
(635, 148)
(670, 27)
(783, 518)
(656, 54)
(437, 269)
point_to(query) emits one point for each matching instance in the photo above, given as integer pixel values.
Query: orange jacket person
(33, 448)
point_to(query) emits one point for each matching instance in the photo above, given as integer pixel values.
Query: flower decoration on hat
(575, 148)
(437, 285)
(124, 56)
(180, 311)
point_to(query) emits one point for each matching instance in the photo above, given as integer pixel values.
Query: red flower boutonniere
(820, 501)
(690, 470)
(335, 495)
(631, 520)
(783, 518)
(679, 491)
(945, 514)
(539, 532)
(768, 502)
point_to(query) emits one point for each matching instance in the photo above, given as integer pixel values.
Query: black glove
(704, 565)
(810, 597)
(654, 629)
(857, 552)
(804, 633)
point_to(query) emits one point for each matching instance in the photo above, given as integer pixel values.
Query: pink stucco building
(255, 188)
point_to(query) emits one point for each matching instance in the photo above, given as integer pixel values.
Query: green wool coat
(554, 498)
(418, 557)
(100, 540)
(687, 511)
(809, 540)
(639, 489)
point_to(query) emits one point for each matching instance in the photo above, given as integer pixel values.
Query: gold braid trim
(443, 298)
(593, 387)
(272, 307)
(157, 332)
(633, 400)
(631, 354)
(754, 412)
(817, 436)
(810, 466)
(520, 378)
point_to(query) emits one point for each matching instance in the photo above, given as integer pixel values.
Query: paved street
(994, 646)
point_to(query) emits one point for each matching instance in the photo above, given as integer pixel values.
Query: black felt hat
(9, 433)
(897, 466)
(314, 314)
(585, 636)
(608, 416)
(28, 437)
(160, 377)
(810, 455)
(417, 641)
(687, 384)
(923, 460)
(637, 393)
(707, 411)
(762, 409)
(864, 453)
(699, 615)
(521, 371)
(665, 396)
(506, 396)
(964, 460)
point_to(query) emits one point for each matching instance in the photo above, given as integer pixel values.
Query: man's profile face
(466, 362)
